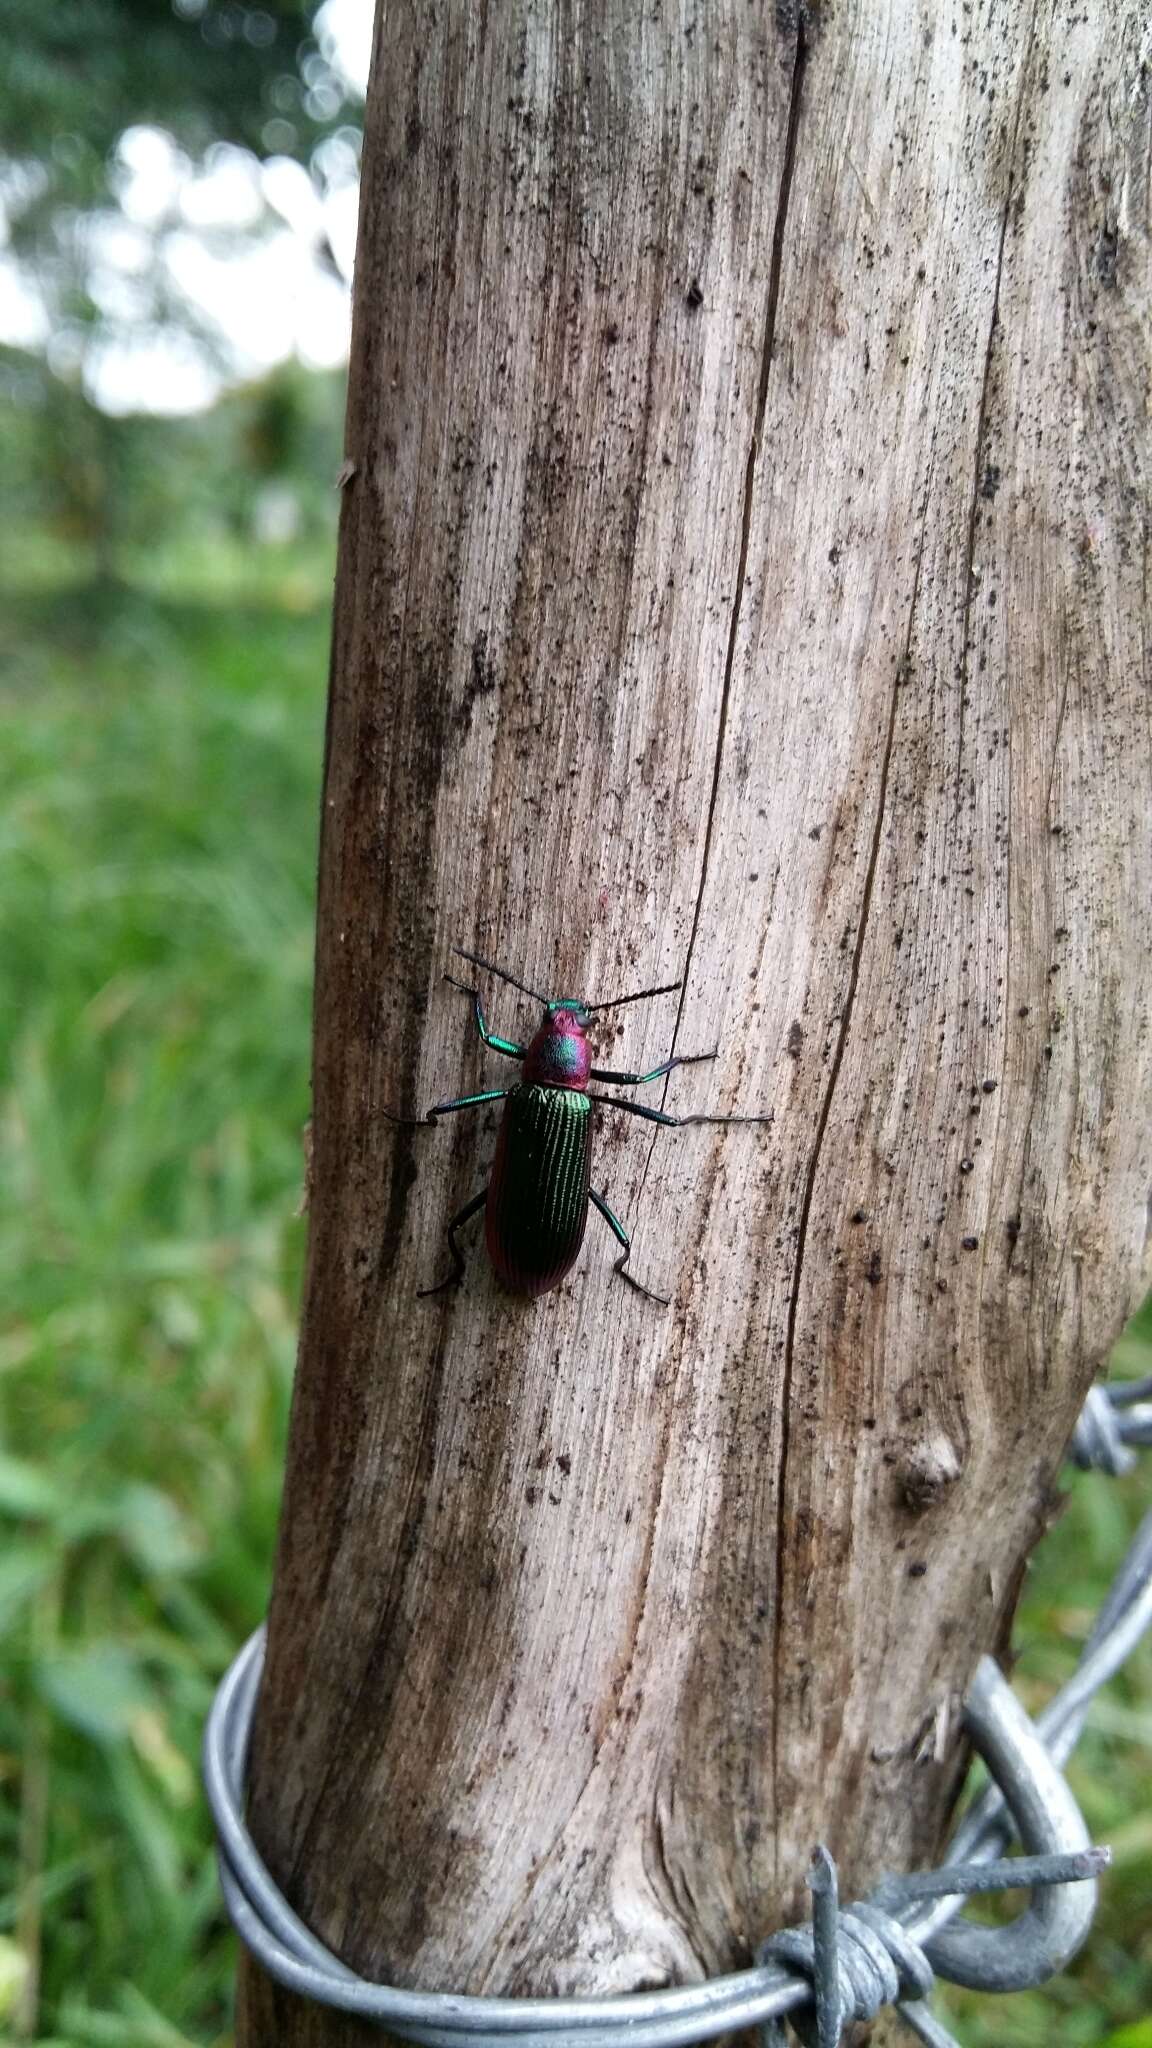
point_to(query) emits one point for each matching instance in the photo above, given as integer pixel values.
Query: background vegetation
(158, 806)
(163, 648)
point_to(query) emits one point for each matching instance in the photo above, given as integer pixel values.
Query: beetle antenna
(491, 967)
(641, 995)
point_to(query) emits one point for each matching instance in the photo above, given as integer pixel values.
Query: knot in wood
(927, 1473)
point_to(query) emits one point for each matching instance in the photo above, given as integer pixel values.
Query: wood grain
(742, 577)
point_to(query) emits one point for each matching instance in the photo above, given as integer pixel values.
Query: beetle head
(560, 1055)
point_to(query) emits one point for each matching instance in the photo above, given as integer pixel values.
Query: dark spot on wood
(1107, 253)
(481, 681)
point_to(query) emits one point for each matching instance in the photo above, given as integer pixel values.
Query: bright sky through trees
(260, 252)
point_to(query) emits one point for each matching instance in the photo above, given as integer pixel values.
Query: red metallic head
(560, 1056)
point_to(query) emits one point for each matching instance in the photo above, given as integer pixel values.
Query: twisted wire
(858, 1959)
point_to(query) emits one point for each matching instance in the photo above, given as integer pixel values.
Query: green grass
(160, 790)
(160, 779)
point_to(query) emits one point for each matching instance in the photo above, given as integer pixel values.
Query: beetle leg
(463, 1102)
(508, 1046)
(680, 1059)
(413, 1123)
(461, 1217)
(622, 1237)
(661, 1116)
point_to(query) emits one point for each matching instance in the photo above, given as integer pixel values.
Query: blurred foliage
(77, 73)
(159, 801)
(213, 76)
(90, 493)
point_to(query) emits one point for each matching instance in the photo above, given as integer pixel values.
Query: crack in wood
(982, 411)
(1060, 717)
(773, 301)
(818, 1141)
(799, 63)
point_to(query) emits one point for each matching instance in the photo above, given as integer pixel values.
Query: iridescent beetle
(536, 1203)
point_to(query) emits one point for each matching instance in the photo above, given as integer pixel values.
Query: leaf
(13, 1976)
(1138, 2035)
(26, 1489)
(99, 1690)
(22, 1573)
(154, 1531)
(149, 1827)
(169, 1765)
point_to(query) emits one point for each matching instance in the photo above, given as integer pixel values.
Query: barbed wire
(852, 1960)
(1113, 1420)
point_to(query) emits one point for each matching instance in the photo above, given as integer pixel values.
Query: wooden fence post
(740, 579)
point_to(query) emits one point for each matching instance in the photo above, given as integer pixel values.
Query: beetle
(536, 1203)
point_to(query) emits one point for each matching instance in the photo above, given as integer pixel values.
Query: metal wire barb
(1112, 1421)
(851, 1961)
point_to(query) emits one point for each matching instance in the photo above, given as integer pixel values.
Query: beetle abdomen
(538, 1195)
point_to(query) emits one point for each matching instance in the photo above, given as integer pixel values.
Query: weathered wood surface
(742, 577)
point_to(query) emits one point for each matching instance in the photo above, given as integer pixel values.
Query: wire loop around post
(848, 1965)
